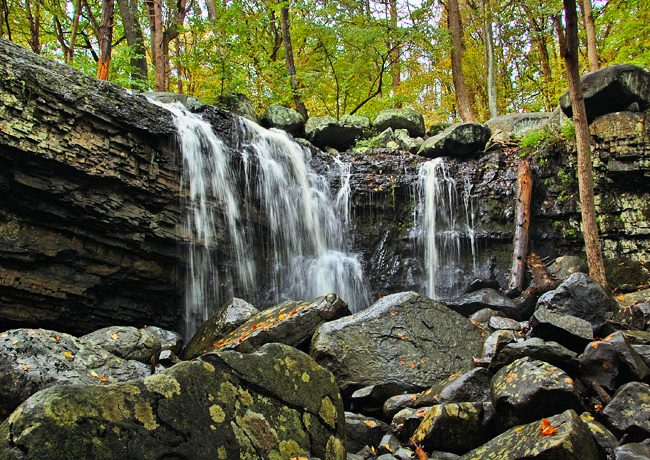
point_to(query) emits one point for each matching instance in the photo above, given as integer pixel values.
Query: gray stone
(239, 104)
(291, 323)
(629, 412)
(605, 440)
(500, 323)
(34, 359)
(570, 331)
(611, 89)
(470, 303)
(582, 297)
(492, 346)
(536, 348)
(226, 319)
(167, 97)
(484, 315)
(632, 451)
(459, 141)
(408, 119)
(274, 403)
(284, 118)
(126, 342)
(363, 431)
(405, 142)
(404, 337)
(565, 266)
(453, 427)
(169, 340)
(571, 441)
(326, 131)
(513, 125)
(527, 390)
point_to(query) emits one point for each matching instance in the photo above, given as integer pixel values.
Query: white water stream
(301, 234)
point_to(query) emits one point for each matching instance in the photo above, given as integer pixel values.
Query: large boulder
(291, 323)
(582, 297)
(528, 389)
(571, 441)
(460, 141)
(612, 89)
(513, 125)
(284, 118)
(239, 104)
(126, 342)
(272, 404)
(536, 348)
(404, 337)
(408, 119)
(229, 317)
(629, 411)
(31, 360)
(472, 302)
(572, 332)
(340, 134)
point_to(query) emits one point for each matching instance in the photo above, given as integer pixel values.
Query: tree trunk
(489, 51)
(520, 251)
(73, 32)
(569, 50)
(105, 39)
(543, 281)
(34, 26)
(590, 27)
(291, 66)
(157, 54)
(462, 94)
(5, 20)
(179, 67)
(395, 45)
(212, 9)
(135, 40)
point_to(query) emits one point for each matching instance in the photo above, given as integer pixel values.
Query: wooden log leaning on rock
(520, 243)
(544, 282)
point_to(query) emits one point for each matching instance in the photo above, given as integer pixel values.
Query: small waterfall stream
(302, 224)
(446, 235)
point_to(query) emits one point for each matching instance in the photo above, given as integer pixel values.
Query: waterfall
(305, 224)
(444, 233)
(299, 246)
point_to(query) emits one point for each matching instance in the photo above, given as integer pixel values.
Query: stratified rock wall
(90, 204)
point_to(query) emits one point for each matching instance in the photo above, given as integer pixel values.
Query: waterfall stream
(301, 230)
(446, 235)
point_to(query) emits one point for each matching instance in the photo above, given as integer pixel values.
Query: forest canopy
(336, 57)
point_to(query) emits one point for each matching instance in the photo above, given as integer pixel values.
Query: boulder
(605, 440)
(572, 440)
(284, 118)
(239, 104)
(599, 364)
(470, 303)
(626, 275)
(637, 315)
(272, 404)
(126, 342)
(629, 412)
(169, 340)
(471, 386)
(408, 119)
(504, 324)
(291, 323)
(632, 451)
(484, 315)
(404, 337)
(458, 141)
(326, 131)
(370, 400)
(406, 421)
(363, 431)
(31, 360)
(436, 128)
(612, 89)
(565, 266)
(582, 297)
(493, 345)
(229, 317)
(514, 125)
(631, 364)
(454, 427)
(528, 389)
(536, 348)
(572, 332)
(406, 142)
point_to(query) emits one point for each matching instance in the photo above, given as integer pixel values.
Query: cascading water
(305, 225)
(443, 233)
(302, 225)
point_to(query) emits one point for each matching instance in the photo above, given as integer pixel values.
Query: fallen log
(520, 243)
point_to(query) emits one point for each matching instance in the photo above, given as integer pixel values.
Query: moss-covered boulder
(408, 119)
(126, 342)
(529, 389)
(229, 317)
(273, 404)
(459, 141)
(34, 359)
(454, 427)
(292, 323)
(404, 337)
(239, 104)
(284, 118)
(571, 440)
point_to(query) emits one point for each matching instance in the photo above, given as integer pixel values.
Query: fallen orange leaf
(115, 336)
(412, 365)
(549, 431)
(69, 355)
(103, 379)
(25, 367)
(369, 423)
(511, 377)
